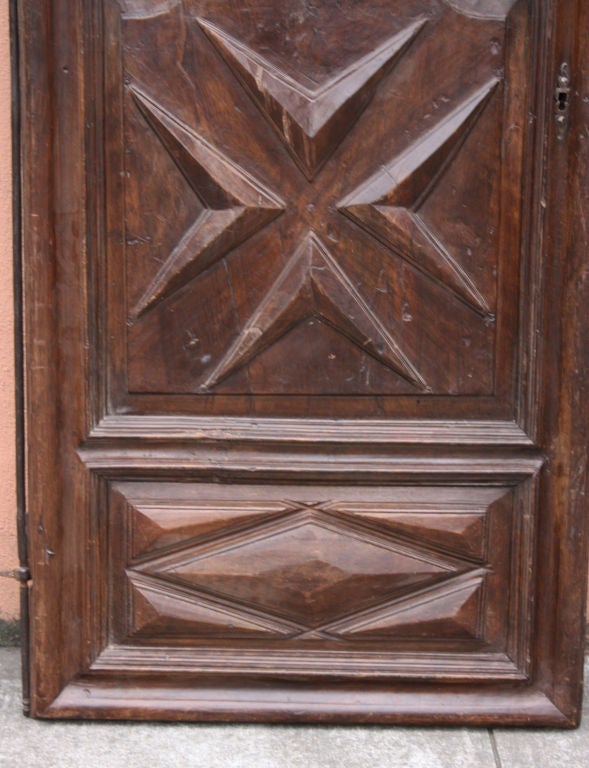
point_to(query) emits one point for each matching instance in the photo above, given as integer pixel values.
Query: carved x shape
(312, 120)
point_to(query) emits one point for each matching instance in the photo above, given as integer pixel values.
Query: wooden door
(304, 347)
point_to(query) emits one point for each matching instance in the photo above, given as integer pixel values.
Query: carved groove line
(482, 9)
(146, 9)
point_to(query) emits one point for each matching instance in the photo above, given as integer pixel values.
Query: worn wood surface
(305, 355)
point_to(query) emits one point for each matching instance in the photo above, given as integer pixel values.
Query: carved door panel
(289, 323)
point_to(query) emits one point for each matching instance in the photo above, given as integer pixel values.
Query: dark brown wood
(305, 348)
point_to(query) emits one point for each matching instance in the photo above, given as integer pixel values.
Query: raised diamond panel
(315, 570)
(307, 567)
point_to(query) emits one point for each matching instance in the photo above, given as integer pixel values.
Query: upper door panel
(321, 206)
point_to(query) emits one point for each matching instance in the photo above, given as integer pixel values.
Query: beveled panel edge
(410, 705)
(422, 431)
(177, 461)
(129, 660)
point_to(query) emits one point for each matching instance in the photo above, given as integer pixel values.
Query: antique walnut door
(303, 281)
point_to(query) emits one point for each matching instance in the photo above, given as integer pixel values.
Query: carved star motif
(313, 285)
(388, 204)
(312, 120)
(235, 204)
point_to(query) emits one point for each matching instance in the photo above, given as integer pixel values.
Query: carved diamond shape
(306, 568)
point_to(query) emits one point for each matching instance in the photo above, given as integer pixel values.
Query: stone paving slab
(542, 748)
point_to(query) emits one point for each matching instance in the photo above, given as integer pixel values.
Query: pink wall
(8, 554)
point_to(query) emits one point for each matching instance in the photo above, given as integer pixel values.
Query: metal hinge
(23, 575)
(562, 98)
